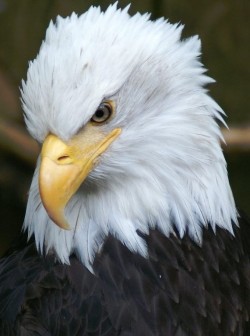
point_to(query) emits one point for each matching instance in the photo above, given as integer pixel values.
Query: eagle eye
(103, 113)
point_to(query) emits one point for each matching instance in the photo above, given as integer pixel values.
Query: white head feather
(166, 169)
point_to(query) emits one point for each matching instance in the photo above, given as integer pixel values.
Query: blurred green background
(224, 28)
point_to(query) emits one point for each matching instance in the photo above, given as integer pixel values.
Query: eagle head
(130, 140)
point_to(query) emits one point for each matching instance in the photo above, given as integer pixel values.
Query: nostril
(63, 157)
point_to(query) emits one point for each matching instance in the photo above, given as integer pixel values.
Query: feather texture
(180, 289)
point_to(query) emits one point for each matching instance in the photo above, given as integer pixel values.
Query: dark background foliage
(224, 28)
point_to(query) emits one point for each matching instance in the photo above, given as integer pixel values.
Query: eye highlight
(103, 113)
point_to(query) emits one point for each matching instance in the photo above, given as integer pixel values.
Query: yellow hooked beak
(64, 167)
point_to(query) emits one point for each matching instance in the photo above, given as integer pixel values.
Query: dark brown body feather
(180, 290)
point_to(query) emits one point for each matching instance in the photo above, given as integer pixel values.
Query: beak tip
(63, 224)
(67, 228)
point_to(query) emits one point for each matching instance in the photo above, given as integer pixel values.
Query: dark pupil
(99, 113)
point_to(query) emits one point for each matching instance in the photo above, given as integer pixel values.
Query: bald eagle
(131, 221)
